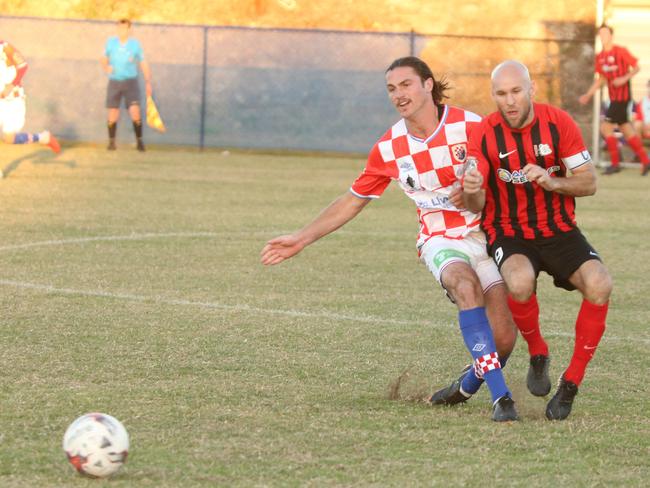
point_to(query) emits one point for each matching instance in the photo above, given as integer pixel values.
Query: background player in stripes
(12, 101)
(425, 153)
(642, 115)
(616, 66)
(123, 55)
(524, 152)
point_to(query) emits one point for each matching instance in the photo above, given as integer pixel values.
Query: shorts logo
(459, 152)
(479, 347)
(498, 255)
(447, 254)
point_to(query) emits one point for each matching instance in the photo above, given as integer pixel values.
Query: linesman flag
(153, 116)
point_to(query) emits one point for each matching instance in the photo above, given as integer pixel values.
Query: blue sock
(471, 383)
(477, 334)
(21, 138)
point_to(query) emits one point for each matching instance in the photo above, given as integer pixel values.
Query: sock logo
(479, 347)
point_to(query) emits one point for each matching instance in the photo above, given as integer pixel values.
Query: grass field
(131, 284)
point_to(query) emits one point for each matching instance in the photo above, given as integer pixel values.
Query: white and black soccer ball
(96, 444)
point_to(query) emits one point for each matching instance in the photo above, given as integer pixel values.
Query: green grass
(227, 373)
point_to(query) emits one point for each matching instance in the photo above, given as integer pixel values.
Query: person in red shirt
(531, 164)
(642, 115)
(425, 153)
(616, 66)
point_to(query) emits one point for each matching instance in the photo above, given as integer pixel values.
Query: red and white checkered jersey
(12, 68)
(426, 170)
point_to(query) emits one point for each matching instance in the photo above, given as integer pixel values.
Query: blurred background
(304, 75)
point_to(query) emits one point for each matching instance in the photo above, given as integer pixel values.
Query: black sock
(112, 129)
(137, 128)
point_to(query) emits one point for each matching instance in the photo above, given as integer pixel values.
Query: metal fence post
(412, 42)
(203, 87)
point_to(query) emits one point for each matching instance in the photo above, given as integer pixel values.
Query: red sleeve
(571, 141)
(374, 178)
(597, 66)
(627, 56)
(475, 151)
(572, 149)
(14, 58)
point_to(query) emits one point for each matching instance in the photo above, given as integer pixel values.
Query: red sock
(637, 146)
(526, 317)
(590, 327)
(612, 147)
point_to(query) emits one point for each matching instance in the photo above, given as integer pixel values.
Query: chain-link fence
(276, 88)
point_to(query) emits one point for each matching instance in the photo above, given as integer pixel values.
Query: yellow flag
(153, 116)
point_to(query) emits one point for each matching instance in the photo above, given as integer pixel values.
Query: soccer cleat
(559, 407)
(645, 170)
(111, 146)
(451, 395)
(140, 146)
(504, 410)
(610, 170)
(53, 144)
(538, 381)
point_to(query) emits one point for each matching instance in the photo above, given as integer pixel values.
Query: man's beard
(521, 120)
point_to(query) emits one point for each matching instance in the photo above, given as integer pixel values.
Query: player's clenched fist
(281, 248)
(472, 181)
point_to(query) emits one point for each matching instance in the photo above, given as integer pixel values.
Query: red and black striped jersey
(514, 206)
(612, 64)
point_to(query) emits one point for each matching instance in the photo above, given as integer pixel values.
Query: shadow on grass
(39, 156)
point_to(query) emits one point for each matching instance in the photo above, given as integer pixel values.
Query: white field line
(129, 237)
(150, 235)
(215, 305)
(260, 311)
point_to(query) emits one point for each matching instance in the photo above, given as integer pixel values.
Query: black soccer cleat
(504, 410)
(538, 381)
(451, 395)
(111, 146)
(560, 405)
(140, 146)
(610, 170)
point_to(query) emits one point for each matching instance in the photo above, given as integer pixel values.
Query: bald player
(531, 164)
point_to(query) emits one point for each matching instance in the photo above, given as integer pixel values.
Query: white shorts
(12, 114)
(439, 252)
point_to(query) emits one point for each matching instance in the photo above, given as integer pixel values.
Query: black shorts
(127, 89)
(617, 113)
(560, 255)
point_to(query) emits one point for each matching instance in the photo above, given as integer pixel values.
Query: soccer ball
(96, 444)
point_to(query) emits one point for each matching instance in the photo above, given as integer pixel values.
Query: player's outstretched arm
(335, 215)
(595, 86)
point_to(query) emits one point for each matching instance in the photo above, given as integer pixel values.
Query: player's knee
(521, 287)
(599, 287)
(466, 290)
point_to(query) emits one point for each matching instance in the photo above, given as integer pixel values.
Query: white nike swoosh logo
(589, 348)
(502, 155)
